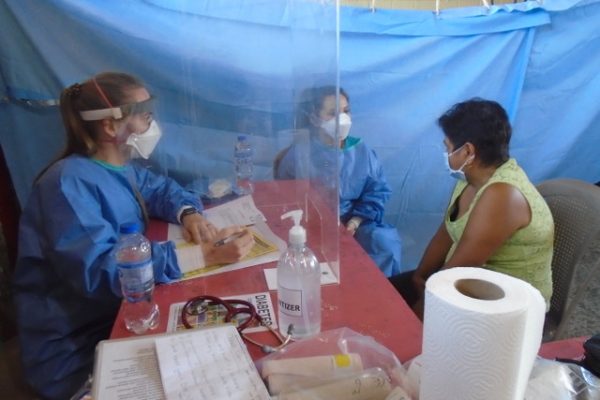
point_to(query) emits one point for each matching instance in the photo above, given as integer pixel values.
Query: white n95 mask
(345, 124)
(143, 144)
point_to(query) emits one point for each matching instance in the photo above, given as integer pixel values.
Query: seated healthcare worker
(496, 217)
(66, 284)
(363, 189)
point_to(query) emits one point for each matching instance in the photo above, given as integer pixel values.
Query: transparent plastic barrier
(248, 72)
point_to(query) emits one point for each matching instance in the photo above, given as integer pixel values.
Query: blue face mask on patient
(455, 173)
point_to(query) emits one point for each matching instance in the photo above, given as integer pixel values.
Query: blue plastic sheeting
(219, 68)
(213, 75)
(407, 82)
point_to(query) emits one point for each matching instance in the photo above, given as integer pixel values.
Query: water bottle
(133, 255)
(244, 165)
(298, 285)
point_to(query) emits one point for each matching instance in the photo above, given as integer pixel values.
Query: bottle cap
(242, 138)
(297, 232)
(130, 227)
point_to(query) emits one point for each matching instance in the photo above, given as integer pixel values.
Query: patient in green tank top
(495, 218)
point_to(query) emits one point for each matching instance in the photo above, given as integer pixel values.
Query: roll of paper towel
(482, 332)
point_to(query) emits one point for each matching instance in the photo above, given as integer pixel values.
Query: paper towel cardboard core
(479, 289)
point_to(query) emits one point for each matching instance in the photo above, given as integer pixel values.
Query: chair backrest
(277, 161)
(300, 135)
(575, 207)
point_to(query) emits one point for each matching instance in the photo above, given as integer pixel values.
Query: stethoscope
(200, 305)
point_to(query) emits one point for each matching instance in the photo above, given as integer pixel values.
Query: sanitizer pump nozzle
(297, 234)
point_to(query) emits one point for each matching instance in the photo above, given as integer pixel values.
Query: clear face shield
(135, 126)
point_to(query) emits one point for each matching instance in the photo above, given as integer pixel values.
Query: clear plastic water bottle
(133, 254)
(244, 165)
(298, 285)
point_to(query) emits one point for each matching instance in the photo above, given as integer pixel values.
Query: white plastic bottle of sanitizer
(298, 285)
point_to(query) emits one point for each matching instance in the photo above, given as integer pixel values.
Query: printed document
(215, 315)
(208, 364)
(267, 248)
(201, 364)
(127, 369)
(241, 211)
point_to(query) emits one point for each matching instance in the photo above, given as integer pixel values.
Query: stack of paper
(211, 364)
(241, 211)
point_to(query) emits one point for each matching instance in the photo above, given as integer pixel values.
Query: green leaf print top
(527, 254)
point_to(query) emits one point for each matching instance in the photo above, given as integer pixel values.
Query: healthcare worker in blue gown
(66, 283)
(363, 189)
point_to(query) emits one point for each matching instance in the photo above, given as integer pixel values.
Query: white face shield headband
(142, 143)
(146, 106)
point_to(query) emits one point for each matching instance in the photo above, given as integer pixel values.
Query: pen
(231, 238)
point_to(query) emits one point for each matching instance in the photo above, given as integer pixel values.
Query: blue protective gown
(363, 192)
(66, 284)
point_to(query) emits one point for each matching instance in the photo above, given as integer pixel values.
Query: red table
(566, 348)
(364, 301)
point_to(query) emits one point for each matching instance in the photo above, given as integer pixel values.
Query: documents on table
(267, 248)
(241, 211)
(211, 364)
(127, 369)
(327, 276)
(215, 315)
(197, 364)
(189, 257)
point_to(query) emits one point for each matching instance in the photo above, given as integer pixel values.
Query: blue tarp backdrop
(219, 67)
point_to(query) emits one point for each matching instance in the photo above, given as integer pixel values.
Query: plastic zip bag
(554, 380)
(336, 364)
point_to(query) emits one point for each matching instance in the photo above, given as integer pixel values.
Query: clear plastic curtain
(219, 70)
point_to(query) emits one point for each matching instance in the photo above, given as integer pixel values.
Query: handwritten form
(241, 211)
(211, 364)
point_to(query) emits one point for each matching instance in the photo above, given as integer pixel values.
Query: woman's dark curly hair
(483, 123)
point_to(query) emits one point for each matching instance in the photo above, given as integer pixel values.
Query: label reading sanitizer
(290, 302)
